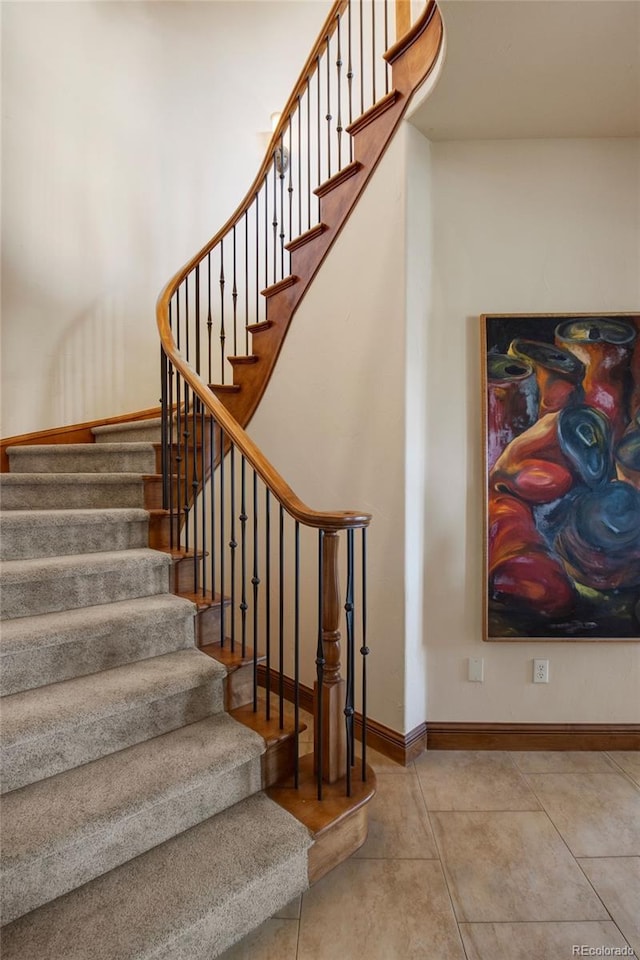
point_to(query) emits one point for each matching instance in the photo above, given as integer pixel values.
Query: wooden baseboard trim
(403, 748)
(533, 736)
(400, 747)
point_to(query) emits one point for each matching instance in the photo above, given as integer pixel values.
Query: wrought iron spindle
(203, 499)
(164, 376)
(339, 127)
(246, 282)
(186, 490)
(266, 234)
(243, 555)
(267, 595)
(290, 187)
(255, 582)
(170, 466)
(178, 456)
(233, 543)
(223, 335)
(348, 708)
(329, 118)
(320, 668)
(318, 128)
(221, 534)
(212, 502)
(197, 272)
(281, 615)
(308, 152)
(234, 296)
(257, 270)
(186, 315)
(364, 652)
(299, 116)
(350, 76)
(195, 483)
(282, 176)
(209, 317)
(274, 222)
(386, 44)
(296, 655)
(373, 48)
(361, 57)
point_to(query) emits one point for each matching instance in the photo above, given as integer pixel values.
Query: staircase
(129, 792)
(162, 584)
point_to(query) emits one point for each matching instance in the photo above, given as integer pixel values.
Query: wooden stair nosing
(278, 287)
(379, 107)
(306, 237)
(241, 360)
(338, 178)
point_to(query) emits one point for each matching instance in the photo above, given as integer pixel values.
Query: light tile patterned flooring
(479, 856)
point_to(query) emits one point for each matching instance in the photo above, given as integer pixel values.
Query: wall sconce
(280, 154)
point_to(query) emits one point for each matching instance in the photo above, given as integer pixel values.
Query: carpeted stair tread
(136, 431)
(36, 651)
(187, 899)
(60, 726)
(69, 491)
(50, 584)
(27, 534)
(62, 832)
(83, 458)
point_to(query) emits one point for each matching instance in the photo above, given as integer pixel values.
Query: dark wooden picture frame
(561, 431)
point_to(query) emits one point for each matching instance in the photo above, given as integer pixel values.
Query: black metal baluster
(243, 555)
(386, 44)
(300, 229)
(308, 152)
(221, 534)
(267, 595)
(209, 316)
(170, 467)
(328, 118)
(364, 651)
(234, 297)
(290, 187)
(233, 544)
(178, 457)
(373, 47)
(246, 282)
(320, 667)
(318, 128)
(296, 658)
(164, 427)
(185, 435)
(282, 230)
(186, 315)
(197, 318)
(195, 483)
(339, 127)
(255, 582)
(266, 233)
(350, 76)
(361, 57)
(223, 335)
(274, 222)
(212, 502)
(203, 499)
(281, 617)
(257, 317)
(349, 685)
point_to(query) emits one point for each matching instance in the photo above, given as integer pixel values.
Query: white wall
(130, 132)
(528, 227)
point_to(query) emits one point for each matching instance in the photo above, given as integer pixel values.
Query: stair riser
(30, 885)
(82, 653)
(72, 496)
(92, 459)
(55, 540)
(37, 595)
(62, 749)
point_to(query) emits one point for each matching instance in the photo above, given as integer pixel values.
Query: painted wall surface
(529, 227)
(131, 131)
(332, 419)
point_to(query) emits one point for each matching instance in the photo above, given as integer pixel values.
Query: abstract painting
(562, 476)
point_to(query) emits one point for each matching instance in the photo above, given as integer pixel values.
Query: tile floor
(479, 856)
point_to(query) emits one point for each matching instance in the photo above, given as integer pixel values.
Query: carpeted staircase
(133, 821)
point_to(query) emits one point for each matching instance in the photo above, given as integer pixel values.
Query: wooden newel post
(333, 686)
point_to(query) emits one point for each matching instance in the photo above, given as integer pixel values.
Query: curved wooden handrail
(413, 33)
(342, 520)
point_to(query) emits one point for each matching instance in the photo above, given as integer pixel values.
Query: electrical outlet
(541, 671)
(476, 669)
